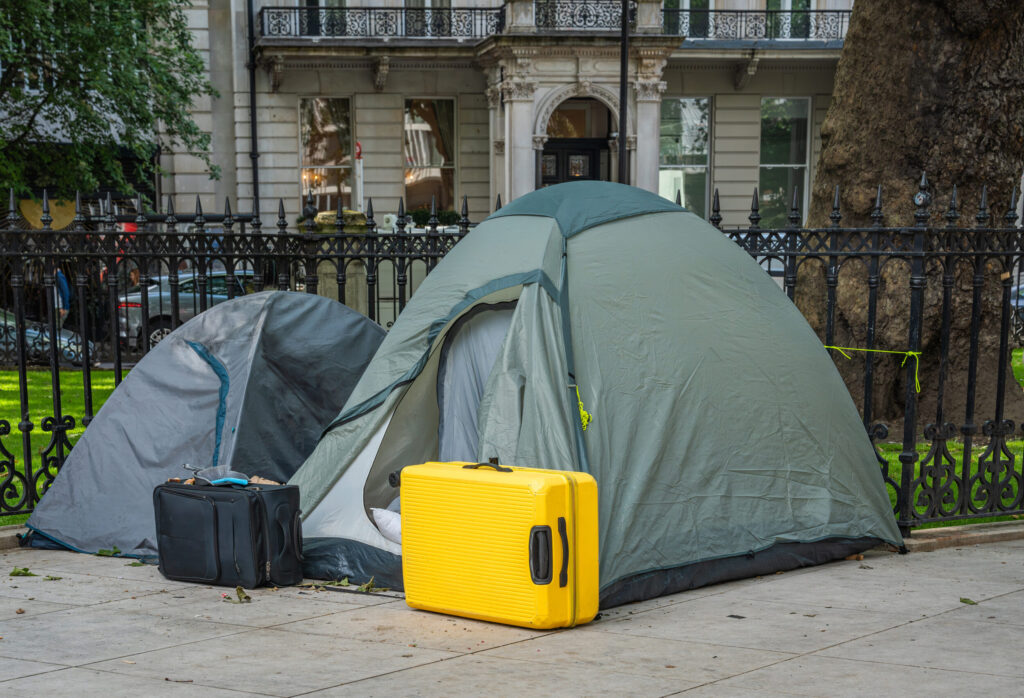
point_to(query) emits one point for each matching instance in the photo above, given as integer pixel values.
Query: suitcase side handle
(540, 554)
(499, 468)
(563, 576)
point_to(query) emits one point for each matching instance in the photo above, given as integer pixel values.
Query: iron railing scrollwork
(593, 15)
(756, 25)
(174, 265)
(380, 22)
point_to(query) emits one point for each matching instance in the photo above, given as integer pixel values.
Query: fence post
(341, 259)
(81, 285)
(400, 252)
(281, 249)
(309, 243)
(370, 260)
(832, 271)
(25, 426)
(918, 281)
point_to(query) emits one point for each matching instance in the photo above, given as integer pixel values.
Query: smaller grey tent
(249, 383)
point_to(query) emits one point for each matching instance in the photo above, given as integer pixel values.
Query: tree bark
(934, 86)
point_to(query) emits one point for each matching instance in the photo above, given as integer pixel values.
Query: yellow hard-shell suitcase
(509, 545)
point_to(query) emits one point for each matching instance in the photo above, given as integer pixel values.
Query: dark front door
(566, 159)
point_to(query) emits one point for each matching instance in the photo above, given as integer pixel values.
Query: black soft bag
(230, 536)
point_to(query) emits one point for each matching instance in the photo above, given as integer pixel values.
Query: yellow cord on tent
(584, 415)
(915, 355)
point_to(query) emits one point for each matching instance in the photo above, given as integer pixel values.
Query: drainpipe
(254, 150)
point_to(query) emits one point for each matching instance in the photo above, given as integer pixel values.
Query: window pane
(429, 132)
(784, 131)
(777, 185)
(423, 182)
(684, 131)
(326, 185)
(691, 182)
(326, 131)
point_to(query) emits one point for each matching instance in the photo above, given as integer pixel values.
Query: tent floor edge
(780, 557)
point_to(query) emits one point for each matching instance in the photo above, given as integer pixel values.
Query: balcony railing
(754, 25)
(380, 23)
(593, 15)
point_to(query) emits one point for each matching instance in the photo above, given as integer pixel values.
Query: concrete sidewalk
(887, 625)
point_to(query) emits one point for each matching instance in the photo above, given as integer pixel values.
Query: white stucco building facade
(484, 100)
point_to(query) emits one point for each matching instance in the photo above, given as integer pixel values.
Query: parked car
(37, 343)
(129, 308)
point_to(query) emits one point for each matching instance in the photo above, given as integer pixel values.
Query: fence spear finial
(1011, 213)
(679, 198)
(982, 214)
(836, 216)
(716, 210)
(755, 206)
(952, 214)
(876, 211)
(497, 203)
(369, 209)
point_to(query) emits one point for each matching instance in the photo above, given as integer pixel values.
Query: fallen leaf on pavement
(51, 578)
(108, 553)
(20, 611)
(969, 602)
(22, 572)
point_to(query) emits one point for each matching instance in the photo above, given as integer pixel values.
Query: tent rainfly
(722, 438)
(249, 383)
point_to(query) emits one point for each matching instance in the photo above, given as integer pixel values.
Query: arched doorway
(577, 147)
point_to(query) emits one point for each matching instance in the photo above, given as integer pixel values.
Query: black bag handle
(499, 468)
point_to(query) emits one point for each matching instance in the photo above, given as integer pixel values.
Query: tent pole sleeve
(570, 360)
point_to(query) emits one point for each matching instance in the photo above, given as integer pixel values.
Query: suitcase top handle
(499, 468)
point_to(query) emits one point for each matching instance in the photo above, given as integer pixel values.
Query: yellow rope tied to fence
(584, 415)
(915, 355)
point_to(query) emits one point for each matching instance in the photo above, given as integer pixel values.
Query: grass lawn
(40, 403)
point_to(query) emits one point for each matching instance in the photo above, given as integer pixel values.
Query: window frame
(710, 154)
(302, 149)
(455, 166)
(807, 151)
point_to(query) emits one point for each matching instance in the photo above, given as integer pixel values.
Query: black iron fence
(953, 289)
(754, 25)
(380, 22)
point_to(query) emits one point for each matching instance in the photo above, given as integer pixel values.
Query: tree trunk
(934, 86)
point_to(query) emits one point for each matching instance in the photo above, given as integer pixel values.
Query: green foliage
(22, 572)
(90, 90)
(421, 216)
(113, 552)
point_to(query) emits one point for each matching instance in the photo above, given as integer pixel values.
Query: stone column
(496, 144)
(648, 127)
(538, 151)
(520, 165)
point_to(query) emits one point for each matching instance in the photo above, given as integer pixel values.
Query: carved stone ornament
(630, 142)
(499, 147)
(494, 96)
(649, 90)
(275, 69)
(539, 141)
(380, 73)
(518, 90)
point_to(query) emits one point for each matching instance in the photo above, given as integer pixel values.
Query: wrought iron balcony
(758, 25)
(593, 15)
(380, 23)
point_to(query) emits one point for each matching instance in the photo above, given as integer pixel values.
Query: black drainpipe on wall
(254, 150)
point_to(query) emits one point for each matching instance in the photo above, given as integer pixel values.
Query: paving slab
(733, 621)
(84, 635)
(71, 588)
(401, 625)
(1008, 609)
(943, 642)
(643, 656)
(17, 668)
(815, 675)
(86, 683)
(274, 662)
(475, 675)
(267, 607)
(16, 608)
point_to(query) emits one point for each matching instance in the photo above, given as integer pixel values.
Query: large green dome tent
(722, 438)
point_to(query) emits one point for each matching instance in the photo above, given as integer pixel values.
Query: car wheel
(158, 329)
